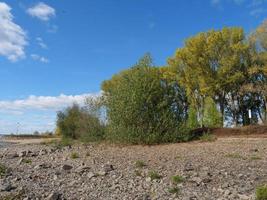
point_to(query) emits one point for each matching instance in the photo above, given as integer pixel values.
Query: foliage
(177, 179)
(3, 170)
(212, 117)
(154, 175)
(77, 123)
(143, 105)
(192, 121)
(174, 190)
(207, 137)
(74, 155)
(261, 192)
(140, 164)
(214, 64)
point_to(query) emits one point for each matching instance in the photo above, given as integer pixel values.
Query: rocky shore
(229, 168)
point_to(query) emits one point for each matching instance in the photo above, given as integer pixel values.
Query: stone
(54, 196)
(6, 187)
(67, 167)
(90, 175)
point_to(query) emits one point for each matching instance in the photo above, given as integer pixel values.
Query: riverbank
(228, 168)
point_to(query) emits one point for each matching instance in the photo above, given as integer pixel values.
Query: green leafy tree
(192, 121)
(212, 117)
(214, 64)
(77, 123)
(143, 105)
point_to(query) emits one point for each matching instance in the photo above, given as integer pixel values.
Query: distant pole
(249, 116)
(18, 124)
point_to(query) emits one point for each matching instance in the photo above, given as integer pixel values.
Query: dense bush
(78, 123)
(212, 117)
(143, 106)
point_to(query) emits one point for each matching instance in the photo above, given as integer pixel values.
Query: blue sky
(55, 52)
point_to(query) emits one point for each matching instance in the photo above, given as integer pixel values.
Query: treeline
(217, 78)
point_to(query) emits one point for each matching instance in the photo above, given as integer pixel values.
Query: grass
(261, 192)
(27, 161)
(59, 143)
(255, 157)
(177, 179)
(140, 164)
(74, 155)
(234, 156)
(174, 190)
(207, 137)
(137, 173)
(3, 170)
(154, 175)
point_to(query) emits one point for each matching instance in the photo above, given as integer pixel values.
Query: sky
(54, 53)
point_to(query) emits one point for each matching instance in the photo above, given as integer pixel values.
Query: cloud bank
(12, 36)
(44, 102)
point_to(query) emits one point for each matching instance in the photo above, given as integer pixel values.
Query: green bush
(192, 121)
(261, 193)
(74, 155)
(212, 117)
(177, 179)
(208, 137)
(3, 170)
(154, 175)
(78, 123)
(143, 106)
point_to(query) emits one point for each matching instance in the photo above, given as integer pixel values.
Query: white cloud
(39, 58)
(43, 102)
(12, 36)
(41, 43)
(42, 11)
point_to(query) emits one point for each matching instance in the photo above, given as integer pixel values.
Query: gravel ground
(229, 168)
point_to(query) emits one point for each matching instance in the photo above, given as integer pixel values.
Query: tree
(212, 64)
(212, 117)
(143, 105)
(257, 84)
(192, 121)
(77, 123)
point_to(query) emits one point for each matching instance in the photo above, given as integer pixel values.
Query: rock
(196, 180)
(12, 155)
(188, 167)
(42, 166)
(67, 167)
(20, 161)
(90, 175)
(42, 152)
(6, 187)
(54, 196)
(22, 153)
(82, 169)
(107, 168)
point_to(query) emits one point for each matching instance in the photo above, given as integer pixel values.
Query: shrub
(27, 161)
(3, 170)
(192, 121)
(154, 175)
(140, 164)
(77, 123)
(212, 117)
(207, 137)
(143, 106)
(177, 179)
(261, 192)
(74, 155)
(174, 190)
